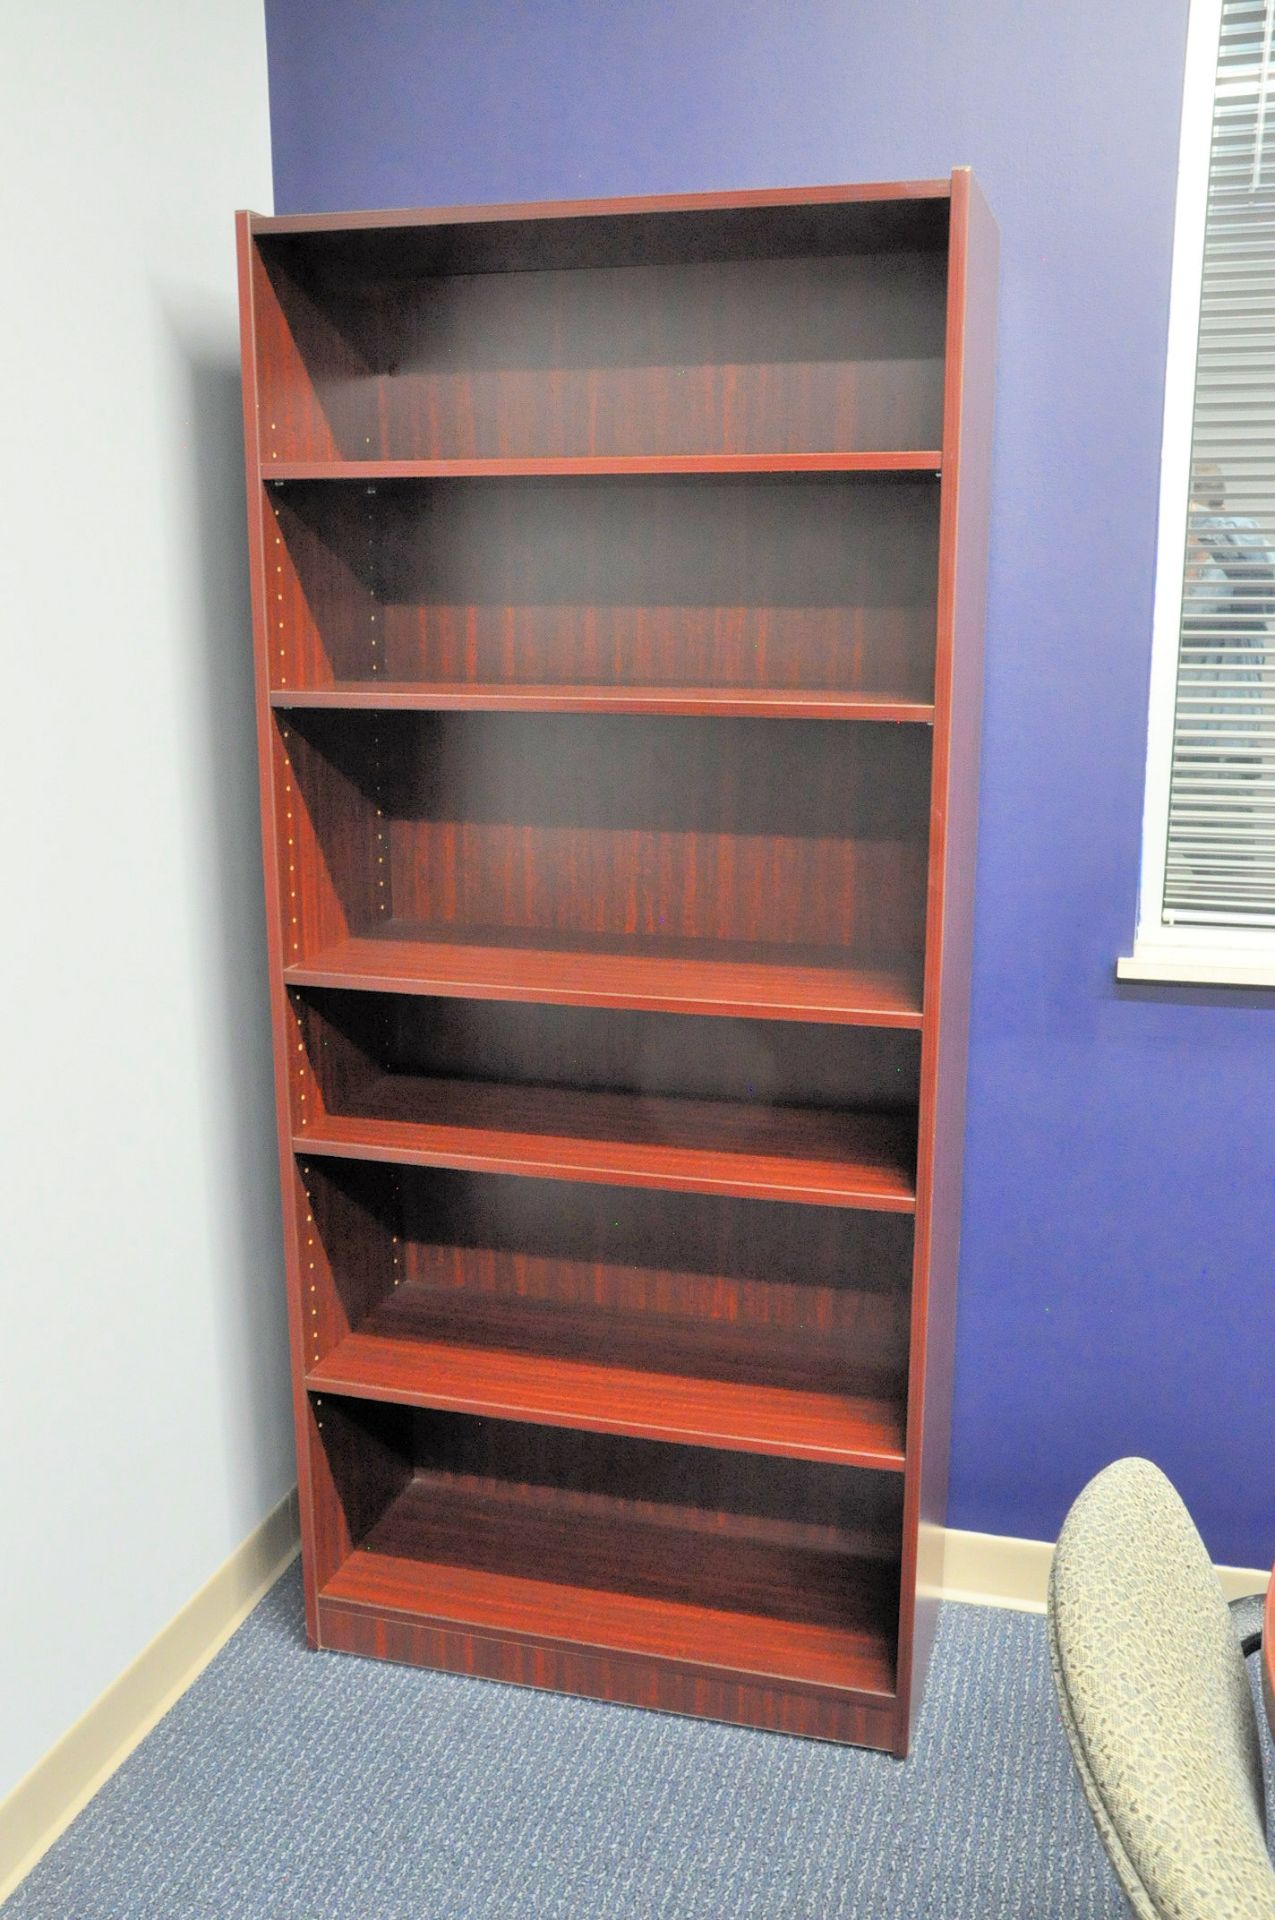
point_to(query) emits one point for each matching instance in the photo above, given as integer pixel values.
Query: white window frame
(1226, 956)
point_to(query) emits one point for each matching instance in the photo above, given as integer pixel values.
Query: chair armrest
(1246, 1614)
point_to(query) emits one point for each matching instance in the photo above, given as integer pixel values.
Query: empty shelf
(929, 460)
(820, 1157)
(775, 703)
(465, 1555)
(514, 1360)
(722, 977)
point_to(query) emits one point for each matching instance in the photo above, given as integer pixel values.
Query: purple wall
(1117, 1291)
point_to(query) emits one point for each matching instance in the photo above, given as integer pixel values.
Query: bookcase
(617, 574)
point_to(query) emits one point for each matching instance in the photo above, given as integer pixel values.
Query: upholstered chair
(1149, 1668)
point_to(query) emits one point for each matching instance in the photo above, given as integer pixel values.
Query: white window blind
(1219, 838)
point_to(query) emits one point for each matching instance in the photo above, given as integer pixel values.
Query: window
(1207, 904)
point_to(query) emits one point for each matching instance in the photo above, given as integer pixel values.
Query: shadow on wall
(232, 994)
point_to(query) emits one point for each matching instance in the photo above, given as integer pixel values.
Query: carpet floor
(288, 1785)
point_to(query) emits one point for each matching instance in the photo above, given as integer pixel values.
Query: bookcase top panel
(653, 229)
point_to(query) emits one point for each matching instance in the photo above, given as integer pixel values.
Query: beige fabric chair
(1156, 1703)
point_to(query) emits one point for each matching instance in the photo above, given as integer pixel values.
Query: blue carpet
(288, 1785)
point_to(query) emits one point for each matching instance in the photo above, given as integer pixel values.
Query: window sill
(1200, 966)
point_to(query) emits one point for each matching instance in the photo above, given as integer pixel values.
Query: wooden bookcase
(617, 581)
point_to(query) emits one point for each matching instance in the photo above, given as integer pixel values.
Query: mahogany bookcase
(618, 573)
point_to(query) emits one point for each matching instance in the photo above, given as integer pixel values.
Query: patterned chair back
(1156, 1703)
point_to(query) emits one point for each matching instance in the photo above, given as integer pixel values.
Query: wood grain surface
(818, 583)
(617, 575)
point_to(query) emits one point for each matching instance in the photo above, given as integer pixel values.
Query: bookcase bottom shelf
(443, 1579)
(637, 1680)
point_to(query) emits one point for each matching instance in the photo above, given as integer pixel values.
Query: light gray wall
(144, 1425)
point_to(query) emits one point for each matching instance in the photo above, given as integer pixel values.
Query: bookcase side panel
(281, 1017)
(315, 389)
(954, 836)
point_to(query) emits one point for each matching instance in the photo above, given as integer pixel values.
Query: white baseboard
(996, 1570)
(44, 1804)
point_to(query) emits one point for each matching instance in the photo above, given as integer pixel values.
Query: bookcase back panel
(798, 583)
(735, 1290)
(803, 355)
(744, 1534)
(773, 832)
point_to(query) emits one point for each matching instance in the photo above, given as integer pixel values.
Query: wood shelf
(776, 703)
(711, 977)
(419, 1563)
(549, 467)
(690, 1146)
(514, 1360)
